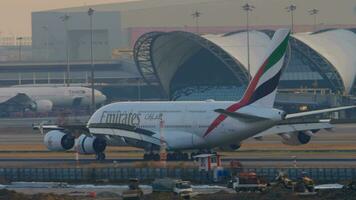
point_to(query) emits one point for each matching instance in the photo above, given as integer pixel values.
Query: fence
(122, 174)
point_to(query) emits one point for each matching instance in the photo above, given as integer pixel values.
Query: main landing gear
(100, 156)
(172, 156)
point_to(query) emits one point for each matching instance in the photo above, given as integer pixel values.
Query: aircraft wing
(130, 134)
(287, 128)
(81, 128)
(240, 116)
(315, 112)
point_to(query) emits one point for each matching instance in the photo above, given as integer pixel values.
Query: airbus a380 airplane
(198, 125)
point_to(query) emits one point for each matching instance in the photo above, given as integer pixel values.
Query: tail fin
(263, 87)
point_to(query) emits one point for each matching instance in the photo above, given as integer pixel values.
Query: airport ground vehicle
(249, 181)
(182, 189)
(194, 125)
(134, 192)
(282, 178)
(304, 185)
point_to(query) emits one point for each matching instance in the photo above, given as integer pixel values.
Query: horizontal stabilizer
(315, 112)
(240, 116)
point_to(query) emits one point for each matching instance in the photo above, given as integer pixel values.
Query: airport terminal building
(153, 50)
(319, 69)
(117, 26)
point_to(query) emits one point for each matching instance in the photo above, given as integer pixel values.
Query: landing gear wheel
(156, 157)
(185, 157)
(146, 157)
(192, 155)
(100, 156)
(169, 157)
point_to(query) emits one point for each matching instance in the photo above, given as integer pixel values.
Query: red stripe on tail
(244, 101)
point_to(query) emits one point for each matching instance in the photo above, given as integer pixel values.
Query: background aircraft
(44, 98)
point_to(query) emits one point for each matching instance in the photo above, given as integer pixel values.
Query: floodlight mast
(196, 15)
(291, 8)
(248, 8)
(314, 12)
(93, 106)
(65, 19)
(19, 41)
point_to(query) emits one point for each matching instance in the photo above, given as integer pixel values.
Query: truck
(181, 189)
(249, 181)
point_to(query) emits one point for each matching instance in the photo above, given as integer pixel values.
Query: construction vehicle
(304, 185)
(249, 181)
(350, 186)
(283, 179)
(134, 192)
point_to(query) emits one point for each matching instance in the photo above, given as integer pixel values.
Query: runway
(24, 146)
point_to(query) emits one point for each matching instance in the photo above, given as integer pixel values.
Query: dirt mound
(51, 197)
(12, 195)
(280, 194)
(159, 196)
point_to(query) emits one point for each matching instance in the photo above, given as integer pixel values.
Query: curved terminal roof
(235, 45)
(338, 47)
(159, 55)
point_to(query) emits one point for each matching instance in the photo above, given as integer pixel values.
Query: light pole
(45, 28)
(19, 40)
(248, 8)
(65, 19)
(314, 12)
(93, 106)
(196, 15)
(291, 10)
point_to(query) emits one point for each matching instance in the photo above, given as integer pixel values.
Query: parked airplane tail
(263, 87)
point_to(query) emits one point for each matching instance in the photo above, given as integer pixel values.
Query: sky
(15, 15)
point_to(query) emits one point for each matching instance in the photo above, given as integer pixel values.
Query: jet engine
(58, 141)
(90, 144)
(230, 147)
(297, 138)
(42, 106)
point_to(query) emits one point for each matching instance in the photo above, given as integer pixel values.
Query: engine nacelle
(297, 138)
(43, 106)
(90, 144)
(58, 141)
(230, 147)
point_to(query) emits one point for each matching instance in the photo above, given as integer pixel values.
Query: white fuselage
(59, 96)
(186, 123)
